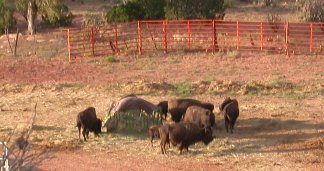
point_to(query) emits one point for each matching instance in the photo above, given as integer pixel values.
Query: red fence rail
(192, 35)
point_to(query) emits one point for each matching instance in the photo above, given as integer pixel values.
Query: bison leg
(162, 144)
(152, 141)
(84, 132)
(79, 128)
(226, 123)
(232, 125)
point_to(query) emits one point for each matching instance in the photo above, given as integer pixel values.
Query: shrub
(137, 10)
(6, 16)
(126, 12)
(192, 9)
(312, 10)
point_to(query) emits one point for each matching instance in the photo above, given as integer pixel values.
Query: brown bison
(153, 132)
(200, 116)
(177, 107)
(183, 135)
(89, 122)
(164, 136)
(230, 110)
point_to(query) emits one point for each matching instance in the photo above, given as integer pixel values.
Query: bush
(6, 16)
(137, 10)
(126, 12)
(312, 10)
(55, 13)
(153, 9)
(192, 9)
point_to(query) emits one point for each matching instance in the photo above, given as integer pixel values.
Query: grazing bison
(200, 116)
(185, 134)
(133, 103)
(177, 107)
(230, 110)
(89, 122)
(153, 132)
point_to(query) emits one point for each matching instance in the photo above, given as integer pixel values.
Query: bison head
(163, 108)
(208, 135)
(97, 127)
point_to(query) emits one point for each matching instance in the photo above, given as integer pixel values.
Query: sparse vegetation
(312, 10)
(182, 89)
(109, 59)
(6, 16)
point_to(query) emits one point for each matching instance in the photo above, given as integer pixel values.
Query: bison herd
(192, 120)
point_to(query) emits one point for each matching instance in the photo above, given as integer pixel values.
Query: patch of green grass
(182, 89)
(109, 59)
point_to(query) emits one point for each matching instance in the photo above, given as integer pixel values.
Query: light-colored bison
(177, 107)
(199, 116)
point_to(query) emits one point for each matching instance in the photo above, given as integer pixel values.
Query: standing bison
(89, 122)
(199, 116)
(183, 135)
(230, 109)
(177, 107)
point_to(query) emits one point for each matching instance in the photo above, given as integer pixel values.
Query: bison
(89, 122)
(230, 110)
(131, 103)
(177, 107)
(200, 116)
(153, 132)
(183, 135)
(164, 137)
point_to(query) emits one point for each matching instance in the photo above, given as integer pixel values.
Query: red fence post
(286, 38)
(165, 37)
(69, 44)
(261, 36)
(237, 36)
(92, 41)
(214, 37)
(189, 36)
(139, 45)
(311, 38)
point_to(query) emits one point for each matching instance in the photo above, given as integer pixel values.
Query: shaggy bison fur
(177, 107)
(89, 122)
(183, 135)
(230, 110)
(200, 116)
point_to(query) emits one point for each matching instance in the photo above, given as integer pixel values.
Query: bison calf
(183, 135)
(89, 122)
(230, 110)
(164, 136)
(153, 132)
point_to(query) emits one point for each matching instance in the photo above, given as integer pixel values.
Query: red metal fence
(206, 35)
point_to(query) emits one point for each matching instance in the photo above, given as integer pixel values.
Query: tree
(193, 9)
(53, 12)
(6, 16)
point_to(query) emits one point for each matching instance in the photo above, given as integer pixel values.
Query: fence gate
(4, 157)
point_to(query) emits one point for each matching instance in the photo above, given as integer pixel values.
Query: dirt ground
(280, 127)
